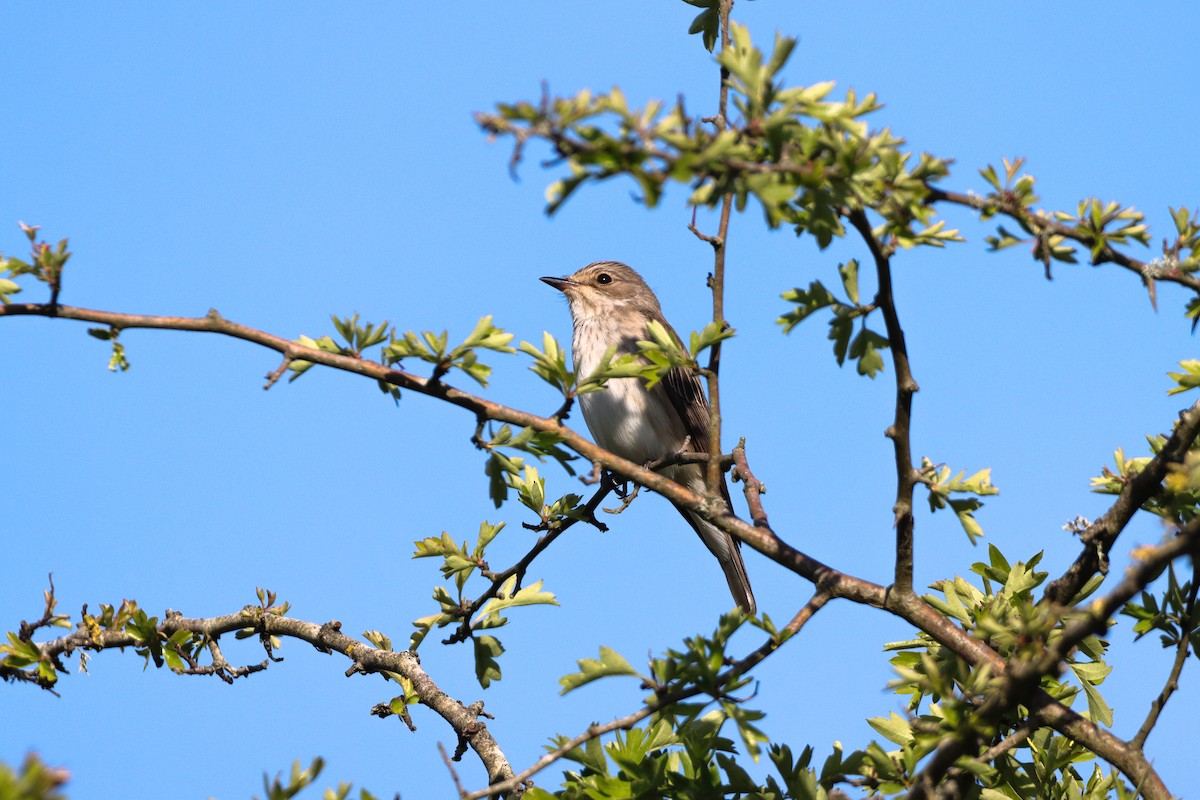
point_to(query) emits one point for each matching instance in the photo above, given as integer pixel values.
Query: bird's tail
(728, 551)
(738, 580)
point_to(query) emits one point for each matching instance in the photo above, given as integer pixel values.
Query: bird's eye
(604, 278)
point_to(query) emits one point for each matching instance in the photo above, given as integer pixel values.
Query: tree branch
(712, 473)
(325, 638)
(1099, 537)
(1044, 225)
(900, 430)
(738, 668)
(837, 583)
(752, 488)
(1181, 654)
(829, 581)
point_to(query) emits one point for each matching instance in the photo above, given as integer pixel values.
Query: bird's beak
(559, 283)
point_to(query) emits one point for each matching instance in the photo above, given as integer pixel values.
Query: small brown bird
(611, 305)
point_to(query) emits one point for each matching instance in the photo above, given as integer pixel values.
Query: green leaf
(550, 363)
(809, 300)
(1098, 709)
(849, 273)
(610, 663)
(893, 727)
(489, 614)
(865, 347)
(487, 650)
(1188, 379)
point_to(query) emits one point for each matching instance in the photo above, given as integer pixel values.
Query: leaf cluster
(1179, 500)
(1176, 617)
(433, 348)
(507, 472)
(459, 563)
(45, 263)
(865, 346)
(806, 159)
(942, 486)
(947, 696)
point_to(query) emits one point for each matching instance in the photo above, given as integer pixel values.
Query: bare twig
(49, 618)
(751, 486)
(274, 375)
(1181, 654)
(453, 772)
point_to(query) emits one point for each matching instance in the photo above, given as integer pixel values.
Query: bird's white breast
(625, 418)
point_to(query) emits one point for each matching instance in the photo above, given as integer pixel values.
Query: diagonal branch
(738, 668)
(463, 632)
(1099, 537)
(837, 583)
(1181, 654)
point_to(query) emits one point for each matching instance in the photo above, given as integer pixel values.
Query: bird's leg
(622, 491)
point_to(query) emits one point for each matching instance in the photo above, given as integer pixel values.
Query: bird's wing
(686, 392)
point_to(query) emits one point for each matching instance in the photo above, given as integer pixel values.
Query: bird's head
(607, 287)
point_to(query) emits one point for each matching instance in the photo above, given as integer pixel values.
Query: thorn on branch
(274, 375)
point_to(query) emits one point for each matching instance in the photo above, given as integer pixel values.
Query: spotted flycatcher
(611, 305)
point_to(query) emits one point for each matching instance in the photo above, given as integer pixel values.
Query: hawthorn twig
(900, 429)
(660, 702)
(1181, 654)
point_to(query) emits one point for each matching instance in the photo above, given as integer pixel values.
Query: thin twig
(660, 702)
(1181, 654)
(1043, 226)
(900, 430)
(712, 473)
(463, 631)
(453, 772)
(751, 486)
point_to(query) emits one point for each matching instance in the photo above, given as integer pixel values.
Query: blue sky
(281, 162)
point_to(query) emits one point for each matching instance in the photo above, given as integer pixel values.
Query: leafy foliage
(459, 563)
(810, 161)
(45, 263)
